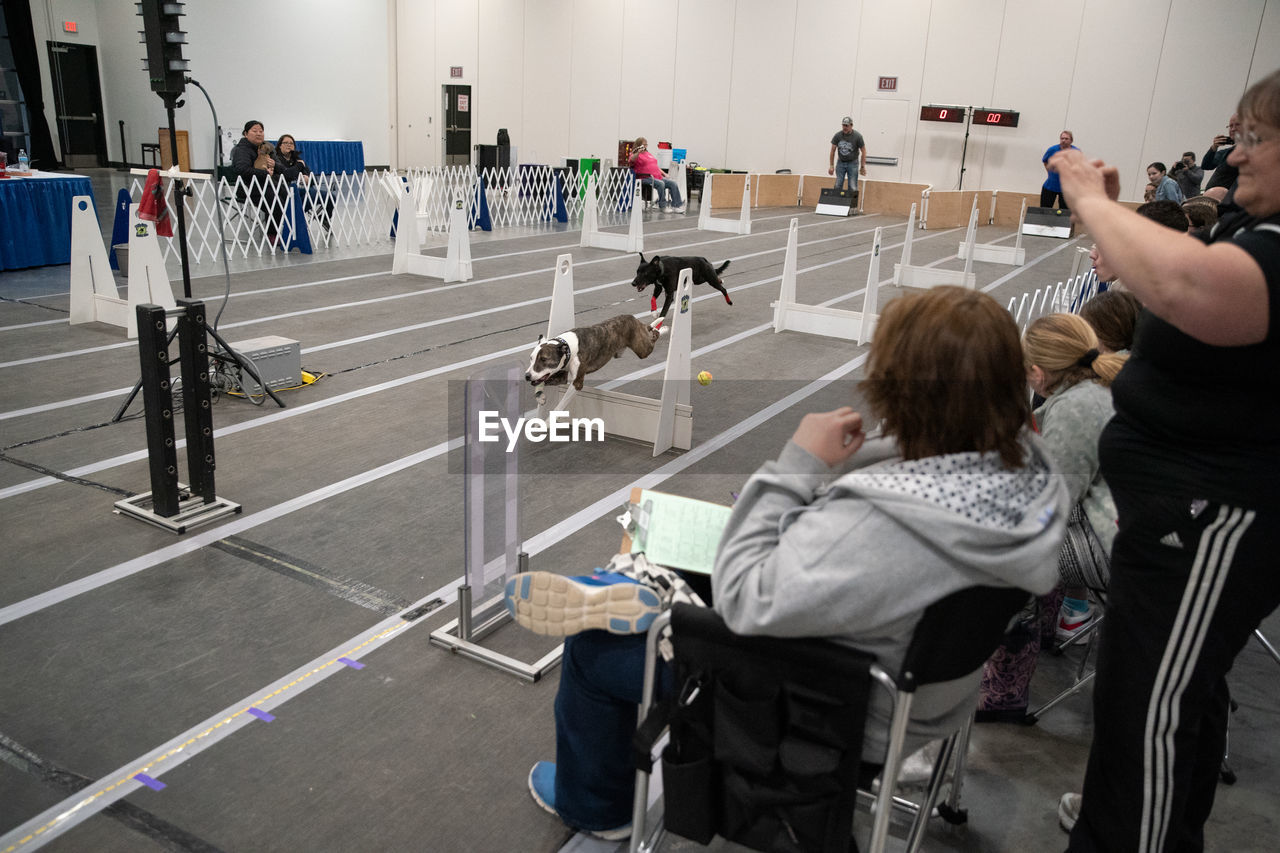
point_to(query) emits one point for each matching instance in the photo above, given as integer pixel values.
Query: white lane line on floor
(341, 306)
(47, 825)
(91, 468)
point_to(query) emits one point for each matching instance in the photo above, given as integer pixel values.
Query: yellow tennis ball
(704, 378)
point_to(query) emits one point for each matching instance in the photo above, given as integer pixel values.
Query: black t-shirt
(1198, 420)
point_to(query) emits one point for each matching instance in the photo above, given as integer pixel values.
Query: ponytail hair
(1065, 347)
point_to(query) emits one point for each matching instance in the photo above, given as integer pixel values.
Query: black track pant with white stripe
(1190, 581)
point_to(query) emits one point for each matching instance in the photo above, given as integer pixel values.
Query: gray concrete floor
(128, 648)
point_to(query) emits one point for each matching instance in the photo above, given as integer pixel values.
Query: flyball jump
(667, 421)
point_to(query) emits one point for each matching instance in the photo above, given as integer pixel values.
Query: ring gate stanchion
(706, 222)
(993, 253)
(666, 421)
(408, 257)
(906, 275)
(789, 315)
(171, 504)
(632, 241)
(491, 508)
(94, 297)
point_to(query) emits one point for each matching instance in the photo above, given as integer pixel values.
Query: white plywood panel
(959, 68)
(1266, 51)
(500, 72)
(1039, 88)
(891, 44)
(648, 85)
(759, 94)
(822, 71)
(704, 57)
(596, 78)
(1115, 71)
(548, 34)
(417, 104)
(1188, 107)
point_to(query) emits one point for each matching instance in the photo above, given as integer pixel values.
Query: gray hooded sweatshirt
(858, 558)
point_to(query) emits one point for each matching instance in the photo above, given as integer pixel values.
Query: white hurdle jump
(408, 257)
(94, 297)
(906, 275)
(994, 253)
(706, 222)
(789, 315)
(632, 241)
(666, 421)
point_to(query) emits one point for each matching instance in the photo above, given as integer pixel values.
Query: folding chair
(954, 637)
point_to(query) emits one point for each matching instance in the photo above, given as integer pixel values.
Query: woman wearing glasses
(1192, 457)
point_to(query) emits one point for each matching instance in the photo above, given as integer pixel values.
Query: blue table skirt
(35, 220)
(321, 156)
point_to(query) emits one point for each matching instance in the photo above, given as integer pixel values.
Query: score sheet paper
(677, 532)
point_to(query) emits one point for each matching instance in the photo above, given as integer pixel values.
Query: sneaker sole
(556, 606)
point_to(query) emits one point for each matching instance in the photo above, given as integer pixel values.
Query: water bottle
(24, 164)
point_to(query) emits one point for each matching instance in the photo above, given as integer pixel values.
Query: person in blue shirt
(1051, 192)
(1167, 188)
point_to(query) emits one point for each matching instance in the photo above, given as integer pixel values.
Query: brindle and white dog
(569, 357)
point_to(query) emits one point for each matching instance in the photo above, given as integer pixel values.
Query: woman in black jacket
(296, 171)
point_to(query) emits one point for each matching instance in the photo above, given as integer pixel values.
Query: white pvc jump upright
(632, 241)
(706, 222)
(666, 421)
(94, 298)
(789, 315)
(994, 253)
(906, 275)
(408, 257)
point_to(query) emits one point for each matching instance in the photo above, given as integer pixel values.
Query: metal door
(77, 97)
(457, 125)
(884, 127)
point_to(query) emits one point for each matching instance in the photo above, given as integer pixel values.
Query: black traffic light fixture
(164, 39)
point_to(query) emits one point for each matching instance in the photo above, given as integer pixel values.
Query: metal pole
(179, 194)
(968, 120)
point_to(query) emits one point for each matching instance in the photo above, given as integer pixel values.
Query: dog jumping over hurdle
(569, 357)
(662, 272)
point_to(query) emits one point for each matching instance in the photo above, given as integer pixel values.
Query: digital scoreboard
(995, 118)
(937, 113)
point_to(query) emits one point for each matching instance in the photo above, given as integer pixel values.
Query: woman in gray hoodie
(958, 493)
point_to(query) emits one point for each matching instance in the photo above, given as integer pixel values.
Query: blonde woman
(1066, 366)
(1065, 363)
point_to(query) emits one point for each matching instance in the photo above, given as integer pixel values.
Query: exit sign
(69, 27)
(888, 84)
(455, 70)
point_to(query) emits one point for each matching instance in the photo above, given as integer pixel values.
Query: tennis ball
(704, 378)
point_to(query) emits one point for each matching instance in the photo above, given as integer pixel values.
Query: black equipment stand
(170, 504)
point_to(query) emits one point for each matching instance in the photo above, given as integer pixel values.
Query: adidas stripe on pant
(1190, 581)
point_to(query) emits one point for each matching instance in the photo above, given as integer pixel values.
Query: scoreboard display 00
(995, 118)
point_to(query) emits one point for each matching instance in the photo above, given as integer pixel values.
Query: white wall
(743, 84)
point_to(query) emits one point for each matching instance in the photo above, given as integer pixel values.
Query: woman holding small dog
(833, 539)
(257, 178)
(645, 167)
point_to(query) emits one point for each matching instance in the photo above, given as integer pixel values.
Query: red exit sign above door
(888, 84)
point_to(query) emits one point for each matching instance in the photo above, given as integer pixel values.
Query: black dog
(663, 273)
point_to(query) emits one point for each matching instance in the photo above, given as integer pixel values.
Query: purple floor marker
(262, 715)
(153, 784)
(354, 664)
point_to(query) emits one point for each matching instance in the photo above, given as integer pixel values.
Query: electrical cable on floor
(34, 305)
(80, 481)
(222, 227)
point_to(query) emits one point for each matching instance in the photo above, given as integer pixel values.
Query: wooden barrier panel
(812, 189)
(1009, 206)
(726, 190)
(774, 190)
(890, 197)
(950, 208)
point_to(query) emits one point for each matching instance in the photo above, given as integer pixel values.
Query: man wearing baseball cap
(848, 143)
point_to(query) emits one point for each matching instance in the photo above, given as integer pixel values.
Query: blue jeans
(847, 170)
(661, 186)
(601, 679)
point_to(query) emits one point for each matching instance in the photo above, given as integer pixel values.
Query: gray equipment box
(278, 360)
(1048, 222)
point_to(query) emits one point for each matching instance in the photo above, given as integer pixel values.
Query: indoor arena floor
(126, 648)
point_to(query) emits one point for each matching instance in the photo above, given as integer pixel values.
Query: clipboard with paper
(674, 531)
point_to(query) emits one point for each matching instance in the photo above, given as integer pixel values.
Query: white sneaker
(1069, 810)
(678, 209)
